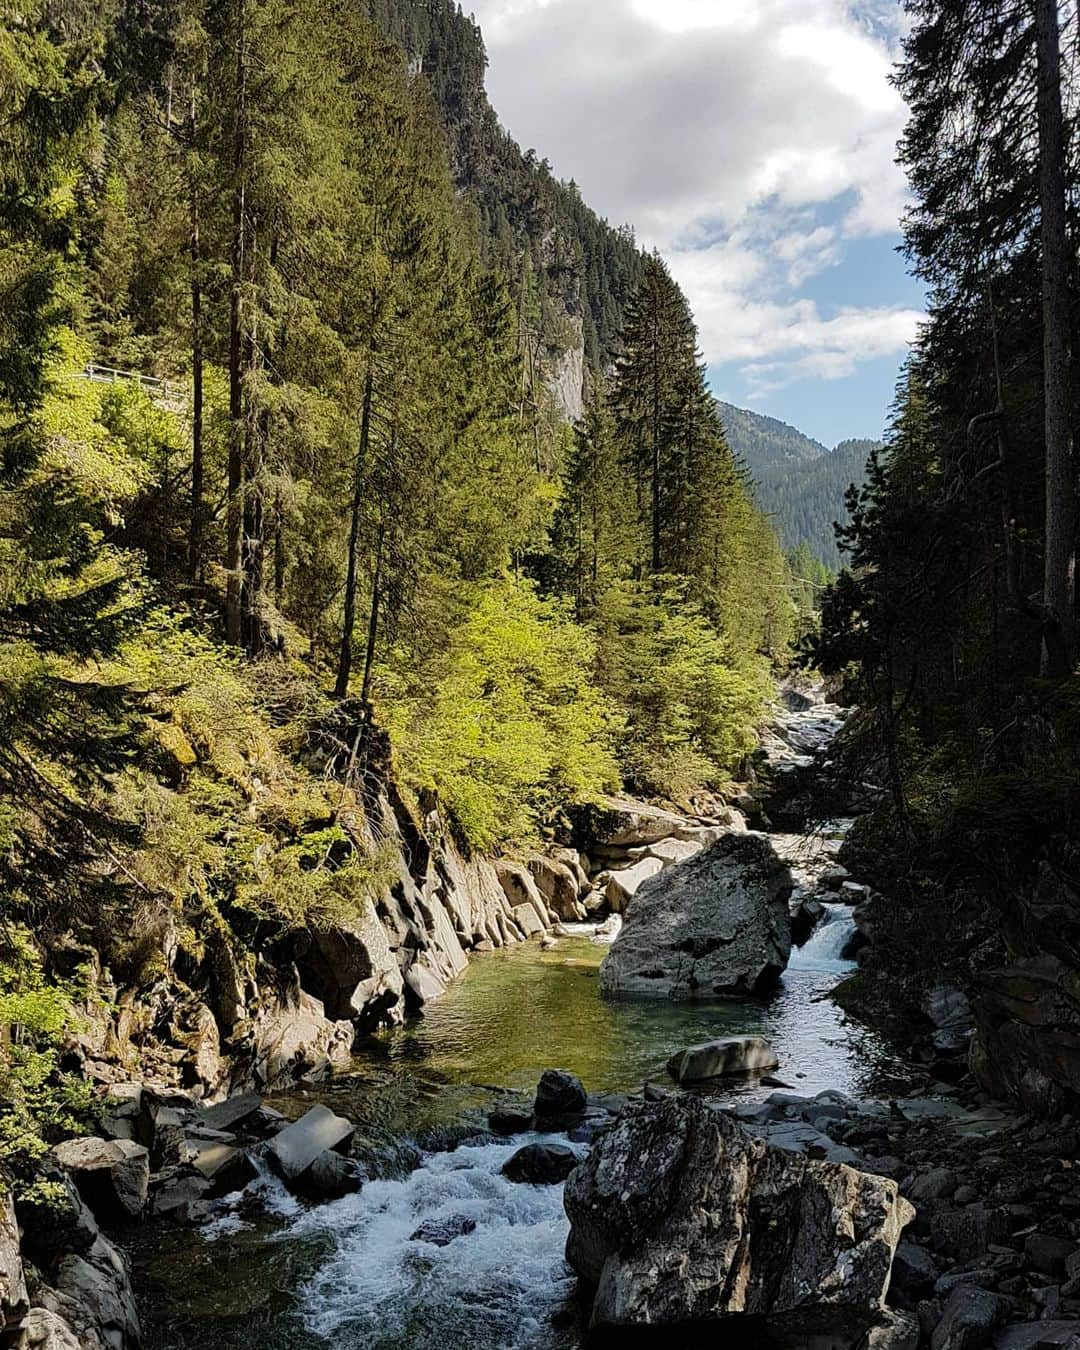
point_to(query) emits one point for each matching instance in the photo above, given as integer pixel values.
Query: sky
(753, 143)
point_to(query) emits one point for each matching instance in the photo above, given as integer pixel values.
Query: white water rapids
(494, 1285)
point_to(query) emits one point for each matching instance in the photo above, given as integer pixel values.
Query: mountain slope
(798, 483)
(764, 442)
(572, 271)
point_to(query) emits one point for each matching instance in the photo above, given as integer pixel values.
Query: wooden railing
(169, 393)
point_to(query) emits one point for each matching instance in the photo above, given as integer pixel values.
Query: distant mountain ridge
(798, 482)
(764, 442)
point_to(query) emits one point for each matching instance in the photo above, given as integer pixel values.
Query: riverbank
(414, 1229)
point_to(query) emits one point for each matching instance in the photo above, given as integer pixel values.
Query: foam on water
(822, 952)
(492, 1288)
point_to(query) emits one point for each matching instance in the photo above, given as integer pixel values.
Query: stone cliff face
(1027, 1008)
(262, 1018)
(564, 375)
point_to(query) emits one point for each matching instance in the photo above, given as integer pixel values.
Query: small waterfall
(822, 951)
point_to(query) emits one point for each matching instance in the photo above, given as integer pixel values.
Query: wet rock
(508, 1120)
(540, 1164)
(331, 1176)
(623, 885)
(970, 1318)
(949, 1011)
(914, 1274)
(560, 1100)
(441, 1232)
(1048, 1254)
(42, 1330)
(295, 1149)
(674, 1215)
(717, 1059)
(716, 926)
(112, 1175)
(937, 1184)
(13, 1296)
(589, 1128)
(1046, 1335)
(966, 1234)
(807, 911)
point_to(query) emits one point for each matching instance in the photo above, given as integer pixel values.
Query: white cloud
(749, 140)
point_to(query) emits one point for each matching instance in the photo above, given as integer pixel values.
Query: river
(437, 1249)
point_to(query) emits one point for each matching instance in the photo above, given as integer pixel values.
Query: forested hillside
(799, 484)
(806, 500)
(766, 442)
(571, 272)
(289, 517)
(956, 621)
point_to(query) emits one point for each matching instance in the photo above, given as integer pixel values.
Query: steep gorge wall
(248, 1016)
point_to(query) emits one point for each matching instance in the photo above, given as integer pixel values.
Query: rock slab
(717, 1059)
(296, 1148)
(112, 1175)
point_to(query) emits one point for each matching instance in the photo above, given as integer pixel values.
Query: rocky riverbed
(416, 1197)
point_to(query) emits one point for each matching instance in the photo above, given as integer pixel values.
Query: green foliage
(38, 1103)
(690, 716)
(515, 725)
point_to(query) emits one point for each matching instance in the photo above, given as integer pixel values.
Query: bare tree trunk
(195, 536)
(234, 510)
(373, 617)
(1059, 574)
(655, 466)
(279, 550)
(341, 686)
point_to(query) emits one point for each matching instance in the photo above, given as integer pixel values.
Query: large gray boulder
(292, 1038)
(679, 1219)
(716, 926)
(540, 1164)
(92, 1295)
(717, 1059)
(353, 969)
(112, 1175)
(560, 887)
